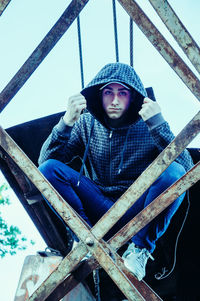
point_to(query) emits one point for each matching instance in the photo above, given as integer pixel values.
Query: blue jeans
(91, 204)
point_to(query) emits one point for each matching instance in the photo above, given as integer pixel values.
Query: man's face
(116, 100)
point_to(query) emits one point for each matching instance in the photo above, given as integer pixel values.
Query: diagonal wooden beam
(129, 230)
(146, 179)
(99, 251)
(162, 45)
(85, 268)
(156, 207)
(159, 165)
(3, 5)
(178, 30)
(88, 240)
(70, 217)
(41, 51)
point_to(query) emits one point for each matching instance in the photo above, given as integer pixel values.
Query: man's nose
(115, 100)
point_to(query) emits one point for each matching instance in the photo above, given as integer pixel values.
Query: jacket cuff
(62, 127)
(155, 121)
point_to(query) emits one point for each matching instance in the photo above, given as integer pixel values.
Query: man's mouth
(114, 109)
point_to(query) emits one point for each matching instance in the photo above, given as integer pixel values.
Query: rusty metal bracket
(178, 30)
(41, 51)
(162, 45)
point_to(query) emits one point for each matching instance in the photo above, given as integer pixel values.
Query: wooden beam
(162, 45)
(39, 54)
(3, 5)
(178, 30)
(146, 179)
(156, 207)
(126, 233)
(90, 240)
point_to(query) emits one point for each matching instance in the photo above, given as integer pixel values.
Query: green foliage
(11, 238)
(4, 199)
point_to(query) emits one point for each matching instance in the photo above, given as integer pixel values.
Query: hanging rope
(96, 282)
(115, 31)
(80, 51)
(95, 272)
(131, 42)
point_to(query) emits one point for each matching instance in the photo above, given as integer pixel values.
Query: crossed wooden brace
(91, 238)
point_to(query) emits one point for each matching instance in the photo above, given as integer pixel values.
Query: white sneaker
(135, 259)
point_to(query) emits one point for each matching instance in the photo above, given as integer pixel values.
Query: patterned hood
(110, 73)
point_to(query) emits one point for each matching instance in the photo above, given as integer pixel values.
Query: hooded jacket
(116, 156)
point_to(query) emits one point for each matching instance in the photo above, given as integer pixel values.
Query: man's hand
(75, 105)
(149, 109)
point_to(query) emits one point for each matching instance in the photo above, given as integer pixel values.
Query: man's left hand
(149, 109)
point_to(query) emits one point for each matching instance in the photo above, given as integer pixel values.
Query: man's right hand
(75, 105)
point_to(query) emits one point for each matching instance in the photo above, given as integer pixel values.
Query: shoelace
(140, 252)
(145, 254)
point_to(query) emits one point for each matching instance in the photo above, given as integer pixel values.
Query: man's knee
(174, 172)
(48, 166)
(53, 170)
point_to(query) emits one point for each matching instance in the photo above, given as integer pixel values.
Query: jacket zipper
(110, 137)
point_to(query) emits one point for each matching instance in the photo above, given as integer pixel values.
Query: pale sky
(22, 27)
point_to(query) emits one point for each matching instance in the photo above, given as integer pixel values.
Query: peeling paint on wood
(143, 182)
(3, 5)
(162, 45)
(41, 51)
(156, 207)
(178, 30)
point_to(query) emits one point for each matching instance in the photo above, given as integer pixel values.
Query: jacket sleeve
(162, 135)
(62, 144)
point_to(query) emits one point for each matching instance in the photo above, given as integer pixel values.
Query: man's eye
(123, 93)
(107, 92)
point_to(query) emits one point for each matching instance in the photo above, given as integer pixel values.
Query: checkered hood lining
(114, 72)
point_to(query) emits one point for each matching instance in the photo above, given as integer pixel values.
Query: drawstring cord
(122, 154)
(85, 154)
(87, 148)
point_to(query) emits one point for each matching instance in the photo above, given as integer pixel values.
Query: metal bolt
(89, 241)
